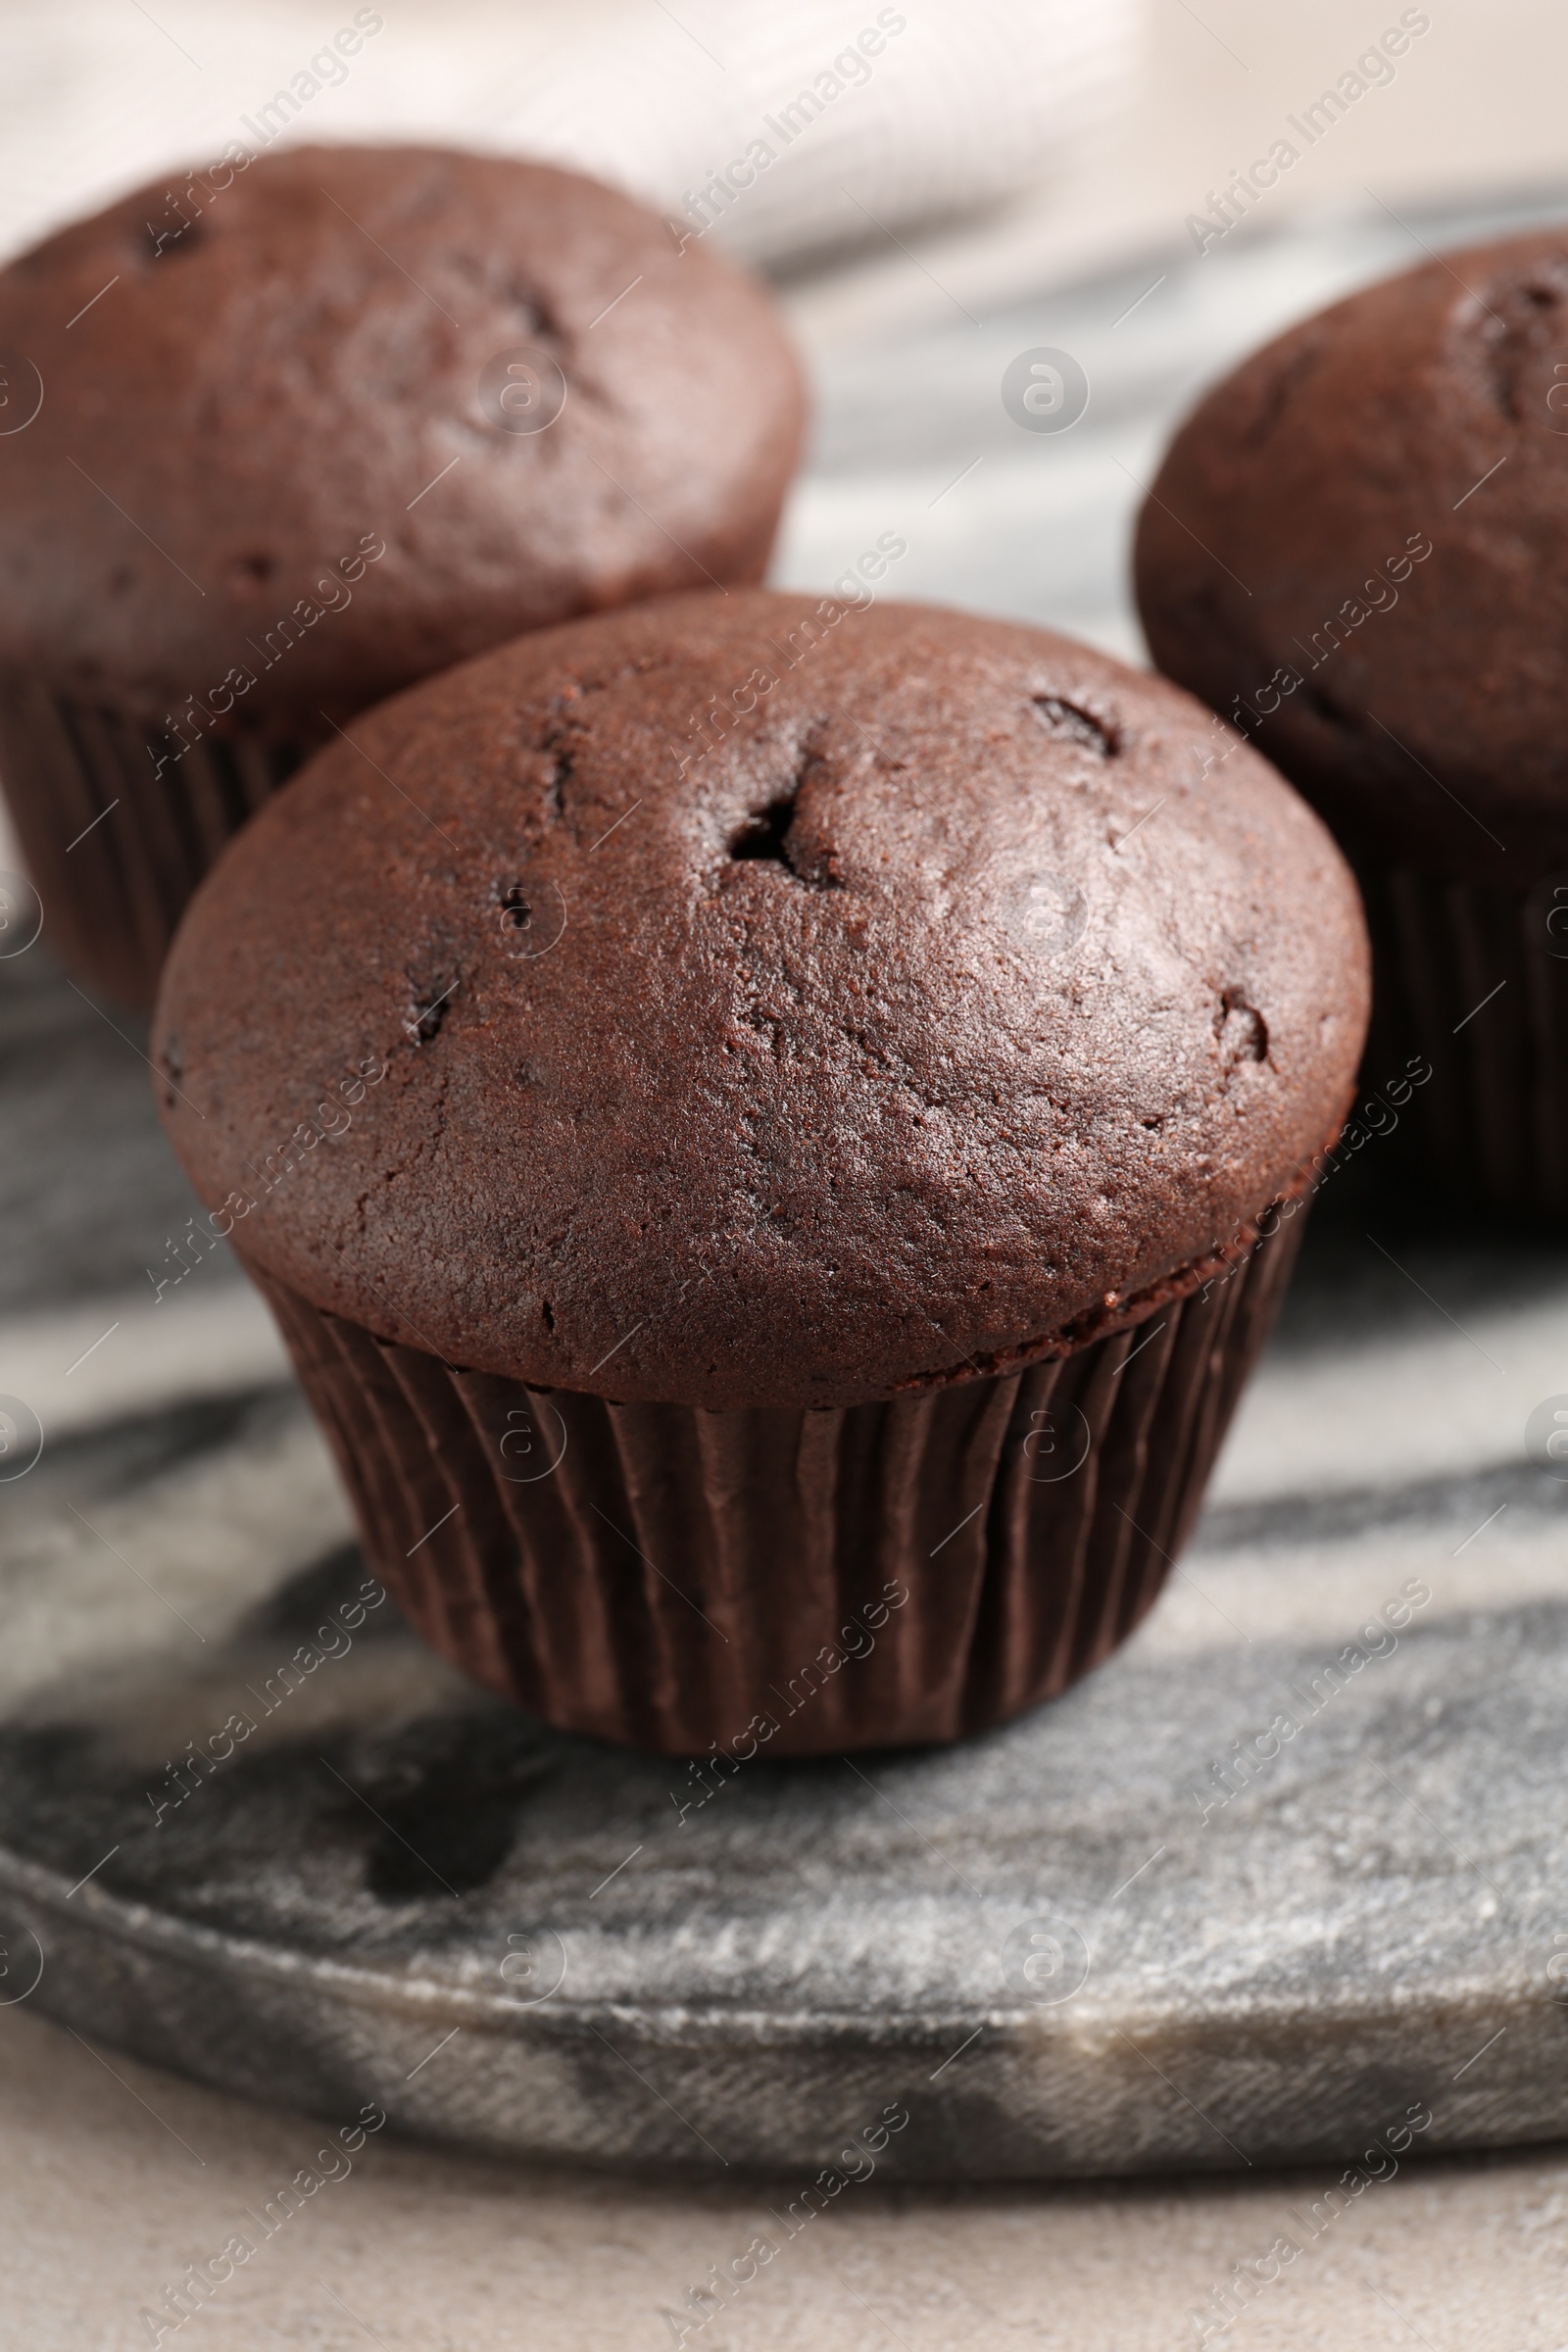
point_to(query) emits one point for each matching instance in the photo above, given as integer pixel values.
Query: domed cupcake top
(1357, 548)
(761, 999)
(371, 410)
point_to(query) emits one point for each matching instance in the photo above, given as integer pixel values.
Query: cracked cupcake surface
(779, 1002)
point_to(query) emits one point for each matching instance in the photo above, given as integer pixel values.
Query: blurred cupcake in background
(1356, 552)
(336, 419)
(832, 1089)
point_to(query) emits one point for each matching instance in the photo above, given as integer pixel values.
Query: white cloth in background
(835, 121)
(778, 127)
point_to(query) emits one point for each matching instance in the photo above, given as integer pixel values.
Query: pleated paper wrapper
(791, 1583)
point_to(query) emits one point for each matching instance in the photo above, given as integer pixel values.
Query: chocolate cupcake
(317, 425)
(764, 1123)
(1356, 550)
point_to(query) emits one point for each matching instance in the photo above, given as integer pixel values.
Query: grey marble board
(1054, 1950)
(1149, 1927)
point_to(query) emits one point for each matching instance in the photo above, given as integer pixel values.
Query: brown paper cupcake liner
(1474, 977)
(788, 1581)
(114, 846)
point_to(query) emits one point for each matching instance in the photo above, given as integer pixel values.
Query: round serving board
(1149, 1925)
